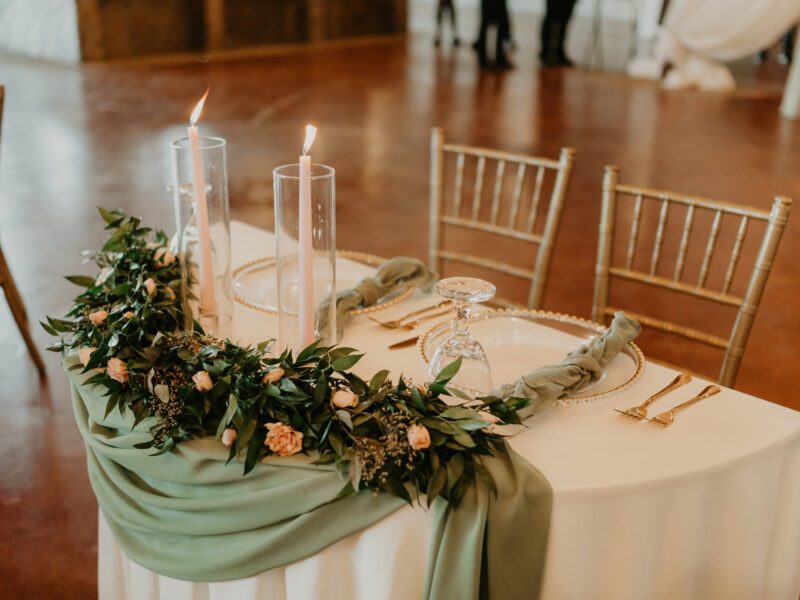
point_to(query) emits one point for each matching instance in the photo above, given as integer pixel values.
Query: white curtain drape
(699, 36)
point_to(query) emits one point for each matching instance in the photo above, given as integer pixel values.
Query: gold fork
(399, 322)
(640, 412)
(666, 418)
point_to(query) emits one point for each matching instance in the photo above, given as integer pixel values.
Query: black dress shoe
(456, 42)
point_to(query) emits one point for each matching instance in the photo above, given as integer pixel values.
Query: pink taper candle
(306, 245)
(208, 304)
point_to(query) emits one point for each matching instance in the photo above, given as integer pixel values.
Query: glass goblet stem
(463, 310)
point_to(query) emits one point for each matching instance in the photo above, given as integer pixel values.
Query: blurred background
(693, 96)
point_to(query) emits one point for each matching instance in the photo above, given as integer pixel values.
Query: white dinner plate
(519, 341)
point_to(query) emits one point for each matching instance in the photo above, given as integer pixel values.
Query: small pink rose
(117, 370)
(283, 439)
(202, 381)
(418, 437)
(98, 317)
(169, 293)
(228, 437)
(150, 286)
(344, 399)
(274, 375)
(163, 257)
(85, 353)
(128, 314)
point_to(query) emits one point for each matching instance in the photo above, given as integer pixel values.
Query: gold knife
(404, 343)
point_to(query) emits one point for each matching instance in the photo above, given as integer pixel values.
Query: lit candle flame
(311, 133)
(198, 109)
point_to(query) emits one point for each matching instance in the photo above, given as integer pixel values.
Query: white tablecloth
(708, 508)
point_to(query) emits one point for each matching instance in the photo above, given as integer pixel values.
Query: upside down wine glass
(474, 378)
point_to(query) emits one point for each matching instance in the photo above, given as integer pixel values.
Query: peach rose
(418, 437)
(202, 381)
(163, 257)
(85, 353)
(169, 293)
(128, 314)
(150, 286)
(117, 370)
(98, 317)
(344, 399)
(274, 375)
(283, 440)
(228, 437)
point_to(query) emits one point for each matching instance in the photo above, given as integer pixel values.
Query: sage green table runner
(187, 515)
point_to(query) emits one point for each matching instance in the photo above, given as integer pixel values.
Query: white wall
(45, 29)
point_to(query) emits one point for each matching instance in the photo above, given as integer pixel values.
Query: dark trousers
(493, 13)
(554, 26)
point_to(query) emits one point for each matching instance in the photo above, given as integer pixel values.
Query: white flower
(85, 353)
(150, 286)
(104, 275)
(117, 370)
(418, 437)
(163, 257)
(228, 437)
(98, 317)
(202, 381)
(273, 376)
(344, 399)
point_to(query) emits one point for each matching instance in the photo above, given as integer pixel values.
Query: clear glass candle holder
(209, 303)
(289, 258)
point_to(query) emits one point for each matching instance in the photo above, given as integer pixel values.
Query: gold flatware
(404, 343)
(400, 322)
(666, 418)
(640, 412)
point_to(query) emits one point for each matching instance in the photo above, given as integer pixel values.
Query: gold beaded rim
(635, 353)
(372, 260)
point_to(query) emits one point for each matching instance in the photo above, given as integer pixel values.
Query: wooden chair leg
(18, 311)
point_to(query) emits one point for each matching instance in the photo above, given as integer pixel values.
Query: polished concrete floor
(76, 138)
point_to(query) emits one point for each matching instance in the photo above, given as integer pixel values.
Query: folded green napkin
(187, 515)
(396, 273)
(581, 367)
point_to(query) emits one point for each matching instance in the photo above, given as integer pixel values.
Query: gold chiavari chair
(747, 304)
(511, 216)
(12, 294)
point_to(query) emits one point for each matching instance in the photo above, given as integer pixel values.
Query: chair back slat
(520, 179)
(710, 248)
(458, 185)
(498, 188)
(659, 241)
(510, 212)
(535, 199)
(633, 237)
(747, 304)
(735, 253)
(680, 262)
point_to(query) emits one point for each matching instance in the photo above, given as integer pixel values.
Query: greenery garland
(398, 438)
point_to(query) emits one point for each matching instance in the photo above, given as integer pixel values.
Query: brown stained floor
(74, 138)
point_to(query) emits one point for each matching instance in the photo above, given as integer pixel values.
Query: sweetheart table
(707, 508)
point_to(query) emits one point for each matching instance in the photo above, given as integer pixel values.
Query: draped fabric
(187, 515)
(698, 36)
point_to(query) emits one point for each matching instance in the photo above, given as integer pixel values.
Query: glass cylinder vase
(203, 237)
(305, 232)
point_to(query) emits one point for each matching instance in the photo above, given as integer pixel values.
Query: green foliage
(368, 443)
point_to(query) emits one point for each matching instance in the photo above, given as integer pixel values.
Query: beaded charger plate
(255, 282)
(517, 341)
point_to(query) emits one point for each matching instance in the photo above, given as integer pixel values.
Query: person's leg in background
(554, 32)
